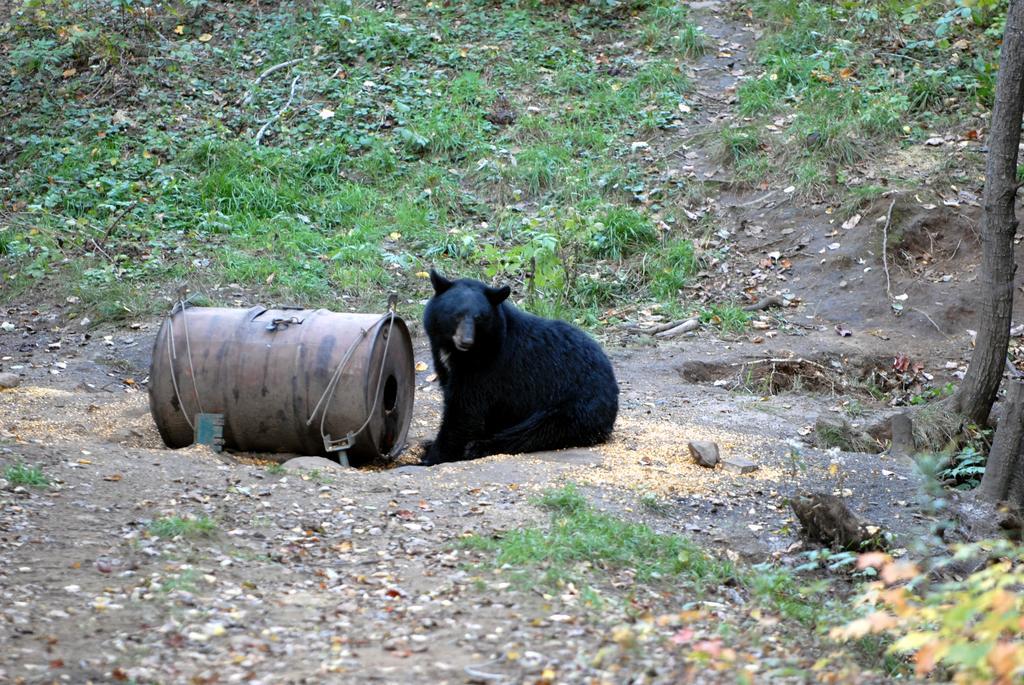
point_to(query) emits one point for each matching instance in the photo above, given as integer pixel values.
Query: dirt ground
(355, 575)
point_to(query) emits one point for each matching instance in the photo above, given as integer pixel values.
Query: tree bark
(1004, 473)
(978, 392)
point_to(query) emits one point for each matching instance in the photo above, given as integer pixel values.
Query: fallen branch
(794, 360)
(684, 327)
(766, 303)
(885, 249)
(664, 327)
(247, 98)
(263, 129)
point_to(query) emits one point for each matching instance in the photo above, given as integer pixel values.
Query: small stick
(757, 200)
(104, 253)
(956, 249)
(263, 129)
(247, 98)
(117, 220)
(885, 249)
(482, 675)
(925, 315)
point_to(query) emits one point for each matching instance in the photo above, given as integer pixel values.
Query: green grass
(727, 317)
(654, 504)
(582, 546)
(834, 68)
(580, 539)
(384, 165)
(179, 526)
(187, 581)
(22, 474)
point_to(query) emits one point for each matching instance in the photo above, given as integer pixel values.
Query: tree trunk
(1004, 473)
(978, 392)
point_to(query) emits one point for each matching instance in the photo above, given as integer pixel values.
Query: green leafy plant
(965, 469)
(23, 474)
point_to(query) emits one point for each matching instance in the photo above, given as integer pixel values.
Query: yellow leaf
(179, 29)
(928, 656)
(912, 641)
(616, 86)
(1004, 658)
(205, 38)
(421, 366)
(68, 73)
(422, 274)
(846, 73)
(901, 570)
(326, 113)
(395, 235)
(873, 560)
(624, 636)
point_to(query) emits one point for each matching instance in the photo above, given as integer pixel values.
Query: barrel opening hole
(390, 393)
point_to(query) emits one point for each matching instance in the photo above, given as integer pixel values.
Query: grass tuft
(581, 546)
(185, 527)
(22, 474)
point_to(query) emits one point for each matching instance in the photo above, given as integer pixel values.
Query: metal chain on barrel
(181, 305)
(332, 385)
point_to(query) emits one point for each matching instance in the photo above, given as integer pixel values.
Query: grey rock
(410, 469)
(738, 465)
(310, 464)
(9, 380)
(902, 435)
(704, 452)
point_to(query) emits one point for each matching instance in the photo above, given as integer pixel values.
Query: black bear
(512, 382)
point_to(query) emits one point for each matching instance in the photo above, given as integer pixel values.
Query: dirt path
(354, 576)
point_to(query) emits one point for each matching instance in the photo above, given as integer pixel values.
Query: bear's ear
(498, 295)
(439, 282)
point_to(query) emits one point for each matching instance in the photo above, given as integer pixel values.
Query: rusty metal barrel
(302, 381)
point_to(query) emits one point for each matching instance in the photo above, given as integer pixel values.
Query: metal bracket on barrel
(339, 446)
(210, 431)
(283, 323)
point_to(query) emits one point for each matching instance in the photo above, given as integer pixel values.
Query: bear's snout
(463, 337)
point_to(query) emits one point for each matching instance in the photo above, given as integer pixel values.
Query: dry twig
(291, 95)
(247, 98)
(885, 249)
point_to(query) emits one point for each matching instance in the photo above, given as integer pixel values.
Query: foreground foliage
(971, 630)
